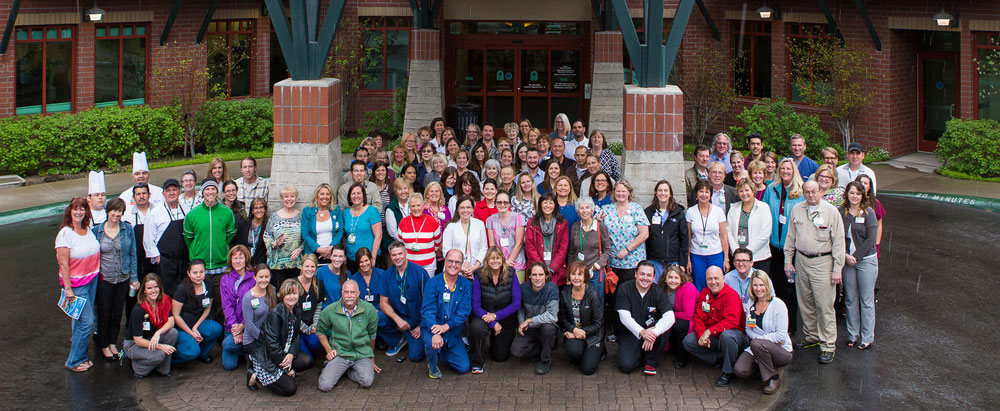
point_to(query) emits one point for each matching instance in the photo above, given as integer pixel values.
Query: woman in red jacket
(487, 206)
(546, 238)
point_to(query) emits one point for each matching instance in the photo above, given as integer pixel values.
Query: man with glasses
(721, 149)
(447, 303)
(739, 278)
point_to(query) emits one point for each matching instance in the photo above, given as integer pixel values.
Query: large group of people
(464, 251)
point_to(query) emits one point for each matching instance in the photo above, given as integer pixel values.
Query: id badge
(402, 300)
(307, 305)
(627, 219)
(414, 248)
(782, 219)
(370, 297)
(818, 221)
(145, 326)
(446, 297)
(351, 239)
(255, 303)
(205, 302)
(655, 220)
(504, 242)
(579, 257)
(859, 220)
(440, 215)
(649, 321)
(706, 307)
(547, 255)
(742, 239)
(751, 322)
(702, 245)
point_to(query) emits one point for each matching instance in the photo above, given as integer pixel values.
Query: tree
(184, 83)
(830, 75)
(348, 56)
(988, 66)
(704, 93)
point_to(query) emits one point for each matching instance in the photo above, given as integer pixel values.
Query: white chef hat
(96, 183)
(139, 162)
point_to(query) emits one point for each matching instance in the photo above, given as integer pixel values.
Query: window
(809, 47)
(386, 52)
(752, 58)
(44, 69)
(987, 48)
(120, 65)
(230, 58)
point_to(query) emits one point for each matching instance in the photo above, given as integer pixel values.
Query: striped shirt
(422, 236)
(84, 256)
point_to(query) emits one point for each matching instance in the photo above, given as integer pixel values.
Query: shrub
(971, 147)
(876, 154)
(777, 121)
(388, 120)
(92, 139)
(239, 124)
(616, 147)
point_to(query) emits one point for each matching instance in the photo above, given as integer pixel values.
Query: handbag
(608, 276)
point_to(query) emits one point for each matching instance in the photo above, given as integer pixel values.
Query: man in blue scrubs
(446, 305)
(401, 296)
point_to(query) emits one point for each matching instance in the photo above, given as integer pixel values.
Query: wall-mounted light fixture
(945, 19)
(765, 12)
(95, 13)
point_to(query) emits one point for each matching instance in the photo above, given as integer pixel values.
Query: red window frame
(229, 33)
(379, 24)
(121, 51)
(751, 30)
(976, 36)
(58, 28)
(802, 31)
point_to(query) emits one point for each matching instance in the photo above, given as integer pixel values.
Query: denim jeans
(188, 349)
(231, 352)
(83, 327)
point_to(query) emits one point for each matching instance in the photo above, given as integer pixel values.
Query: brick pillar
(654, 140)
(83, 96)
(306, 137)
(606, 89)
(424, 92)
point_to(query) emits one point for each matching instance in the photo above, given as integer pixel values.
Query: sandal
(82, 367)
(852, 343)
(864, 346)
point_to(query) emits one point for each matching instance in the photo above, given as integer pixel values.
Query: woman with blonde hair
(783, 194)
(599, 148)
(560, 127)
(525, 197)
(283, 237)
(758, 175)
(217, 170)
(496, 297)
(398, 159)
(321, 224)
(767, 329)
(409, 144)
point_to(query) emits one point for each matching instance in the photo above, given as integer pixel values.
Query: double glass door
(519, 80)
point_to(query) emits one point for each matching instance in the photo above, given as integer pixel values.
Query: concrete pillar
(424, 92)
(306, 137)
(654, 140)
(606, 88)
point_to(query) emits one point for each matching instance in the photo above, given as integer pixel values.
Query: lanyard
(172, 214)
(450, 288)
(704, 223)
(355, 225)
(402, 287)
(582, 235)
(422, 221)
(468, 247)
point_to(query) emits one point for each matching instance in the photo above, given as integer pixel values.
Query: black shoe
(725, 379)
(138, 376)
(543, 367)
(251, 387)
(681, 363)
(805, 343)
(379, 345)
(826, 357)
(206, 360)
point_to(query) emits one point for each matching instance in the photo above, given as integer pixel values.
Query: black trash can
(462, 115)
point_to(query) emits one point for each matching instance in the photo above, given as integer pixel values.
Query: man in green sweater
(347, 330)
(208, 230)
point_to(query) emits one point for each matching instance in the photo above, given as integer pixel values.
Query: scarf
(159, 314)
(548, 228)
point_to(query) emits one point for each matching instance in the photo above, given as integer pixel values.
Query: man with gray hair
(721, 149)
(349, 347)
(815, 240)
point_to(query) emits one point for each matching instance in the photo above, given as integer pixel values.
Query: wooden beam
(204, 23)
(868, 22)
(10, 26)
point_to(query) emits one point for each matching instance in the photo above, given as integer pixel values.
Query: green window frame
(44, 77)
(121, 64)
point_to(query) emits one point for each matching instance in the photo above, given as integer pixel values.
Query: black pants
(304, 360)
(212, 281)
(587, 358)
(631, 354)
(536, 341)
(110, 302)
(284, 386)
(172, 272)
(610, 302)
(764, 265)
(676, 338)
(279, 276)
(782, 289)
(499, 344)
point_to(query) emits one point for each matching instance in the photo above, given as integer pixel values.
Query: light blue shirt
(724, 160)
(741, 286)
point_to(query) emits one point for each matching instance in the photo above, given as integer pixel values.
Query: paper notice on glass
(72, 308)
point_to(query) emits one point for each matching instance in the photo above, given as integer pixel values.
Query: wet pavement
(935, 346)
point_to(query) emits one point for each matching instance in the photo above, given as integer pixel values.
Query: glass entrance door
(938, 96)
(518, 78)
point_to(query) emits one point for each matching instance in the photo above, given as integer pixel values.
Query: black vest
(495, 297)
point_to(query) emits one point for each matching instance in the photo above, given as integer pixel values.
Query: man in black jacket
(646, 314)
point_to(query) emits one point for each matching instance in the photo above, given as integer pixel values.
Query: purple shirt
(509, 310)
(232, 290)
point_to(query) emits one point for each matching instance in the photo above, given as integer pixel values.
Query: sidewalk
(907, 180)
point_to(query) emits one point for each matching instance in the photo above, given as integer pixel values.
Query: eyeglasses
(829, 158)
(453, 262)
(503, 202)
(741, 261)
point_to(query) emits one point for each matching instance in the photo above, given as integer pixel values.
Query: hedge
(92, 139)
(240, 124)
(777, 121)
(971, 147)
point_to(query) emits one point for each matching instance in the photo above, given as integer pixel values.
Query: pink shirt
(684, 302)
(84, 256)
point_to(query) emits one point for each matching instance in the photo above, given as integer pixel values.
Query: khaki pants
(816, 295)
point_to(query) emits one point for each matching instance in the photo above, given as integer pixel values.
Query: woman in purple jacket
(233, 286)
(496, 297)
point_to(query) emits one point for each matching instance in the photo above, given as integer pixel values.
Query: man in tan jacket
(815, 240)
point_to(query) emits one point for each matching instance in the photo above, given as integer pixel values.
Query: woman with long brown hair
(150, 341)
(496, 297)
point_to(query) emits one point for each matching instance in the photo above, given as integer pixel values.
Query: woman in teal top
(362, 225)
(321, 224)
(781, 195)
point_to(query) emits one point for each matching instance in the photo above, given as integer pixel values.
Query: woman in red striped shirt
(422, 235)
